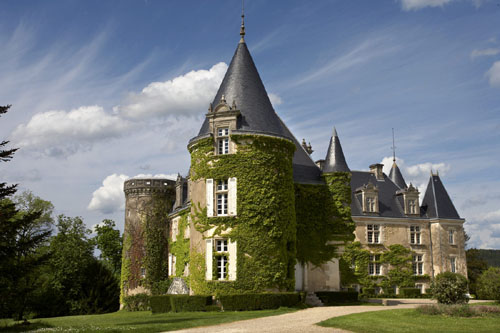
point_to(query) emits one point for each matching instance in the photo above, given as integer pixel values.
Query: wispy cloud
(485, 52)
(493, 74)
(408, 5)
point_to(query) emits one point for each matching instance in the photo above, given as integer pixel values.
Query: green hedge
(262, 301)
(334, 297)
(138, 302)
(179, 303)
(410, 292)
(370, 292)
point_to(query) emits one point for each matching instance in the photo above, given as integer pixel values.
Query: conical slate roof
(437, 202)
(243, 85)
(396, 176)
(335, 160)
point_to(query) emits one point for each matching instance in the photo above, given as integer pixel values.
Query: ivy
(125, 271)
(180, 248)
(265, 228)
(339, 185)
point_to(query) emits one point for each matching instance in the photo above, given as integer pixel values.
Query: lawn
(141, 321)
(409, 320)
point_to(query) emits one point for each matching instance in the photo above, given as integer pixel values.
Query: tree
(488, 284)
(475, 267)
(5, 156)
(449, 288)
(109, 242)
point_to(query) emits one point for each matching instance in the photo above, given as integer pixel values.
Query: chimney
(178, 191)
(376, 169)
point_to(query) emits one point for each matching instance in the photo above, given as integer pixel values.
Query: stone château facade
(256, 213)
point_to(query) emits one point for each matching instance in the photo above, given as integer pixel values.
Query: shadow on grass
(23, 327)
(161, 321)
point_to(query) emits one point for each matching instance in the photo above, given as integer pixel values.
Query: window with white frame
(373, 233)
(221, 250)
(453, 264)
(374, 264)
(415, 234)
(418, 264)
(223, 141)
(451, 236)
(371, 205)
(222, 196)
(412, 206)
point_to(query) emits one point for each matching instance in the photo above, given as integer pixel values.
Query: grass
(141, 321)
(409, 320)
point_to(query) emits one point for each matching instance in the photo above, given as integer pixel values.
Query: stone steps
(313, 300)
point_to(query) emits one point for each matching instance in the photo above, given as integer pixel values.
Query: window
(412, 206)
(374, 264)
(414, 234)
(221, 247)
(453, 263)
(418, 264)
(370, 205)
(373, 233)
(223, 141)
(451, 236)
(143, 272)
(222, 195)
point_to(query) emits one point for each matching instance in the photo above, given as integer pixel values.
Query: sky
(103, 91)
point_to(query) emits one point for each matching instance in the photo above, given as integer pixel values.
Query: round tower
(144, 261)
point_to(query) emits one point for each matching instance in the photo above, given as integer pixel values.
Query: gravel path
(303, 320)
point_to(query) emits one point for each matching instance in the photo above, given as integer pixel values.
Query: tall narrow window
(418, 264)
(451, 236)
(415, 234)
(223, 141)
(373, 235)
(222, 195)
(453, 264)
(412, 206)
(370, 205)
(374, 264)
(221, 250)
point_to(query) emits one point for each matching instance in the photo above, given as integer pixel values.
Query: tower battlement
(145, 186)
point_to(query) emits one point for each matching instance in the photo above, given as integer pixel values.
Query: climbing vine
(180, 248)
(339, 185)
(264, 229)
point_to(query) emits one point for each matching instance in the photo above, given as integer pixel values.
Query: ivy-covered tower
(144, 260)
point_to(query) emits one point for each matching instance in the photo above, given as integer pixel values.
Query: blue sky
(107, 90)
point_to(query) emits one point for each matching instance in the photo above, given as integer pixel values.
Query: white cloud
(484, 52)
(275, 99)
(109, 198)
(57, 133)
(419, 4)
(185, 95)
(494, 74)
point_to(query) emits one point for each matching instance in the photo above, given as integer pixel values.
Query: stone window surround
(415, 234)
(374, 266)
(376, 230)
(418, 264)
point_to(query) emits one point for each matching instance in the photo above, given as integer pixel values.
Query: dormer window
(370, 205)
(410, 197)
(223, 141)
(369, 198)
(412, 206)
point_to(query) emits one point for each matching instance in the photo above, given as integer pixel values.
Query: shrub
(179, 303)
(488, 284)
(458, 310)
(138, 302)
(450, 288)
(410, 292)
(248, 302)
(335, 297)
(368, 292)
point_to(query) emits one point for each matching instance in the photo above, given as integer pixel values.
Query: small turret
(335, 160)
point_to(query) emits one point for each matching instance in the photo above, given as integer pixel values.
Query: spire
(437, 202)
(335, 160)
(393, 148)
(395, 174)
(242, 29)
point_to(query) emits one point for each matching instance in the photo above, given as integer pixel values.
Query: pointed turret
(437, 202)
(396, 176)
(335, 160)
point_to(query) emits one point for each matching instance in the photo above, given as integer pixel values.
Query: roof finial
(242, 29)
(393, 148)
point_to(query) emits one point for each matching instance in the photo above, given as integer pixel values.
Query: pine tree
(6, 155)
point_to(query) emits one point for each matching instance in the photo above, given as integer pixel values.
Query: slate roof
(396, 176)
(437, 202)
(335, 159)
(242, 84)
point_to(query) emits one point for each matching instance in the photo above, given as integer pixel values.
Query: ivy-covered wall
(264, 228)
(180, 248)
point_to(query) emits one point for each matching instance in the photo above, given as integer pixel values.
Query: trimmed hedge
(262, 301)
(370, 292)
(410, 292)
(138, 302)
(180, 303)
(335, 297)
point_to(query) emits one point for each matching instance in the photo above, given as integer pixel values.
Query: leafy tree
(475, 267)
(109, 242)
(449, 288)
(400, 273)
(27, 202)
(6, 155)
(488, 284)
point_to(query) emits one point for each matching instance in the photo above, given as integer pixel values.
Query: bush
(368, 292)
(450, 288)
(138, 302)
(248, 302)
(488, 284)
(410, 292)
(335, 297)
(179, 303)
(458, 310)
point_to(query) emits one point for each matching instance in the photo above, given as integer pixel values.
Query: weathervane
(393, 148)
(242, 29)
